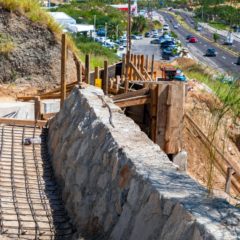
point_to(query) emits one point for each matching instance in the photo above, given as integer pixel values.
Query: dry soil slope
(36, 55)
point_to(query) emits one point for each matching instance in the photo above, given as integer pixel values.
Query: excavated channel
(30, 202)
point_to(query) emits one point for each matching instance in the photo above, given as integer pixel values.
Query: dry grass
(32, 10)
(6, 44)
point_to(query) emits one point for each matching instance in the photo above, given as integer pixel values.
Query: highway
(208, 34)
(224, 61)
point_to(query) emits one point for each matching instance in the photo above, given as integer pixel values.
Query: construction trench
(99, 167)
(114, 182)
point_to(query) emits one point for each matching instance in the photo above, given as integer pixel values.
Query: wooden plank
(138, 61)
(63, 69)
(140, 92)
(153, 111)
(146, 74)
(146, 63)
(126, 73)
(134, 101)
(37, 108)
(46, 116)
(21, 122)
(123, 65)
(87, 69)
(137, 72)
(142, 64)
(169, 103)
(105, 78)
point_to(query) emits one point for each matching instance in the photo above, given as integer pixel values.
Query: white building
(63, 19)
(75, 28)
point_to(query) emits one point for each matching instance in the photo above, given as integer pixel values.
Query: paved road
(208, 34)
(145, 47)
(223, 62)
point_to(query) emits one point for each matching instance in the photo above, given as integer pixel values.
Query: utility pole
(105, 31)
(116, 32)
(94, 22)
(129, 27)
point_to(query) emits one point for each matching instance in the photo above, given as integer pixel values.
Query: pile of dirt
(35, 59)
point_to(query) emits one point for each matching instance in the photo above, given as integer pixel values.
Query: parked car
(139, 37)
(165, 27)
(211, 52)
(175, 26)
(167, 44)
(155, 35)
(193, 40)
(133, 37)
(147, 34)
(155, 41)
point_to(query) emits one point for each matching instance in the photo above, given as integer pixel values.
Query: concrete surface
(117, 184)
(25, 110)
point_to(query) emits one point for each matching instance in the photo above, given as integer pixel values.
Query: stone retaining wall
(117, 184)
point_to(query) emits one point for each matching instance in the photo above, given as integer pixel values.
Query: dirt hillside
(34, 57)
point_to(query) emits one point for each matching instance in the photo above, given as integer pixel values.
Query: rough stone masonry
(117, 184)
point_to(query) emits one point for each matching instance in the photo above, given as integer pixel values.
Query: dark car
(155, 41)
(167, 44)
(189, 36)
(211, 52)
(101, 32)
(147, 35)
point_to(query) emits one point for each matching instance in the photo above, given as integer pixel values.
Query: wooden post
(37, 108)
(87, 69)
(135, 64)
(123, 65)
(146, 64)
(153, 108)
(126, 73)
(79, 72)
(142, 64)
(105, 78)
(228, 180)
(169, 116)
(96, 74)
(138, 61)
(63, 69)
(152, 66)
(131, 70)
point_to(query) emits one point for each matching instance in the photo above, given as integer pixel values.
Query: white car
(165, 27)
